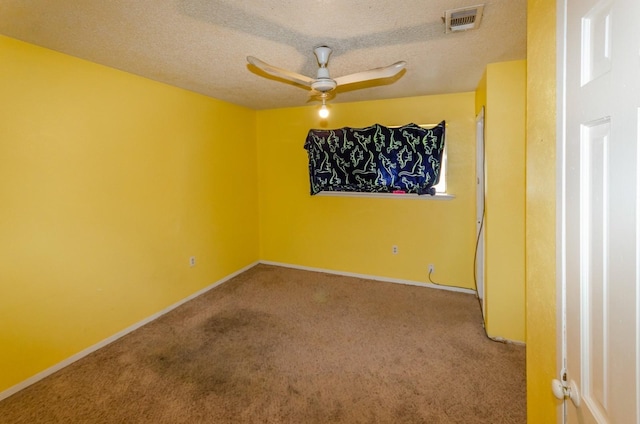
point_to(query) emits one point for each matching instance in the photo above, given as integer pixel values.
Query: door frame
(561, 318)
(479, 270)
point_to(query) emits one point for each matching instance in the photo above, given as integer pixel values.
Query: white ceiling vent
(463, 19)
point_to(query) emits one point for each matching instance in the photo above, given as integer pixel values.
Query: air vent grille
(463, 19)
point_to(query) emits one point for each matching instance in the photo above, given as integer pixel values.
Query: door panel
(599, 219)
(594, 249)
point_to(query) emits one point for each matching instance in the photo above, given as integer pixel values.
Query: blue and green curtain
(376, 159)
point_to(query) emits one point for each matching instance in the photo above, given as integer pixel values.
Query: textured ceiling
(202, 45)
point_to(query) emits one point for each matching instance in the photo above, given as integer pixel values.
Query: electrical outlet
(394, 249)
(192, 261)
(432, 268)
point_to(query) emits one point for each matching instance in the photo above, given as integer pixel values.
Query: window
(377, 159)
(441, 187)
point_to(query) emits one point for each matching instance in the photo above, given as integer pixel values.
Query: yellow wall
(504, 85)
(481, 93)
(356, 234)
(540, 211)
(108, 184)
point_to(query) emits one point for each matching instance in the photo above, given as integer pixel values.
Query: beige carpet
(277, 345)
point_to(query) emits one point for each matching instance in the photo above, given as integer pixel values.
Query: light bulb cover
(324, 112)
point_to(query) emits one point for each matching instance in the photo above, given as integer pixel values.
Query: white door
(480, 208)
(599, 207)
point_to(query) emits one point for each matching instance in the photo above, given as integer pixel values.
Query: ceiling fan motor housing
(323, 85)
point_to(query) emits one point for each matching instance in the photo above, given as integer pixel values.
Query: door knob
(562, 391)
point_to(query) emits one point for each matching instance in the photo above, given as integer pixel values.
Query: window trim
(413, 196)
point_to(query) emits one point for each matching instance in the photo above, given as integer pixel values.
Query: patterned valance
(376, 159)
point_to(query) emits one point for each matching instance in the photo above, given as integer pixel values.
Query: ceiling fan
(322, 84)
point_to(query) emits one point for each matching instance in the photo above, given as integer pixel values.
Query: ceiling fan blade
(371, 74)
(280, 73)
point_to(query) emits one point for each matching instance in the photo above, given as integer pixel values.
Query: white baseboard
(47, 372)
(372, 277)
(57, 367)
(507, 341)
(392, 280)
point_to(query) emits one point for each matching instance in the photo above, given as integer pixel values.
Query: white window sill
(438, 196)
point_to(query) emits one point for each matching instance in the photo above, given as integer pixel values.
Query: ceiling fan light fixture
(324, 111)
